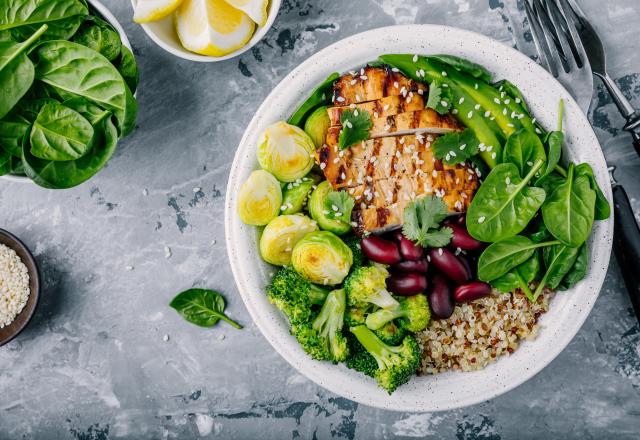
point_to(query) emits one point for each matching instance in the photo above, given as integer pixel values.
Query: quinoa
(480, 331)
(14, 285)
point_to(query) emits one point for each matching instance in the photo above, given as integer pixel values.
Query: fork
(571, 50)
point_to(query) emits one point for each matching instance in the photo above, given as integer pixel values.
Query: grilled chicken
(396, 164)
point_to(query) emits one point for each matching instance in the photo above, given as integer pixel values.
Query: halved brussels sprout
(319, 211)
(281, 235)
(286, 151)
(322, 258)
(317, 125)
(259, 199)
(296, 193)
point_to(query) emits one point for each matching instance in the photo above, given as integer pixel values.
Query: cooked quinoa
(14, 285)
(480, 331)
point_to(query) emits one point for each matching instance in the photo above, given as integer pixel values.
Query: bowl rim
(113, 21)
(496, 380)
(34, 274)
(258, 35)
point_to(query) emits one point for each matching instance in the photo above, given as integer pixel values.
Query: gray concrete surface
(94, 363)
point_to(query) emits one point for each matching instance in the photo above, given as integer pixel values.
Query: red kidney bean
(380, 250)
(409, 250)
(440, 298)
(407, 284)
(396, 235)
(420, 265)
(450, 265)
(461, 238)
(470, 265)
(471, 291)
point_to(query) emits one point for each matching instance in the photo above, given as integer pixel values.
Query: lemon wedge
(152, 10)
(212, 27)
(255, 9)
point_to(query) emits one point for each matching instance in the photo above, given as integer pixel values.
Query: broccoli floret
(359, 359)
(366, 285)
(396, 365)
(413, 313)
(294, 295)
(391, 333)
(353, 241)
(328, 324)
(356, 316)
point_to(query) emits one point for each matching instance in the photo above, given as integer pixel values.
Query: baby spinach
(126, 65)
(554, 141)
(558, 261)
(321, 95)
(76, 69)
(202, 307)
(602, 207)
(519, 277)
(5, 162)
(62, 29)
(504, 204)
(523, 149)
(60, 133)
(578, 271)
(502, 256)
(16, 71)
(100, 36)
(568, 212)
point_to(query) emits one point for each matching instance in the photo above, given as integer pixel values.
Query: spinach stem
(230, 322)
(560, 114)
(532, 172)
(524, 286)
(41, 30)
(558, 169)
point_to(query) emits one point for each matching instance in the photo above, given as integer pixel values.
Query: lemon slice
(212, 27)
(255, 9)
(152, 10)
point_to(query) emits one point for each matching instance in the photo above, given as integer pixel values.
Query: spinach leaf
(60, 175)
(568, 212)
(602, 207)
(62, 29)
(100, 36)
(554, 141)
(502, 256)
(13, 128)
(578, 270)
(77, 70)
(523, 149)
(558, 261)
(550, 182)
(91, 112)
(456, 147)
(321, 95)
(537, 231)
(504, 204)
(128, 68)
(466, 66)
(202, 307)
(5, 161)
(60, 133)
(16, 71)
(519, 277)
(24, 12)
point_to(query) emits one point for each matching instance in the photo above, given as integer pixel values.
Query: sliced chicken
(382, 108)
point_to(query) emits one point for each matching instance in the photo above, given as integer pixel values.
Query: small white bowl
(163, 33)
(111, 19)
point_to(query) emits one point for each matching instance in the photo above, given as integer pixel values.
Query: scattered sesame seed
(470, 115)
(461, 100)
(475, 86)
(496, 100)
(487, 114)
(481, 219)
(463, 146)
(444, 73)
(477, 106)
(415, 58)
(444, 103)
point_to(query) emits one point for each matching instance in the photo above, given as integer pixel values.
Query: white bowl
(163, 33)
(568, 309)
(109, 17)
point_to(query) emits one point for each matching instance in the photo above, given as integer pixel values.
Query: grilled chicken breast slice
(382, 108)
(372, 83)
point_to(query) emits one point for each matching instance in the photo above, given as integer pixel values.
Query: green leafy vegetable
(504, 205)
(100, 36)
(578, 271)
(202, 307)
(60, 133)
(502, 256)
(16, 13)
(519, 277)
(339, 205)
(466, 66)
(355, 127)
(5, 162)
(558, 260)
(321, 95)
(128, 68)
(456, 147)
(440, 98)
(554, 141)
(602, 207)
(422, 219)
(523, 149)
(568, 212)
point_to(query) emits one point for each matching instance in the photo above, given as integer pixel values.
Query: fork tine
(575, 9)
(549, 33)
(563, 35)
(571, 16)
(539, 39)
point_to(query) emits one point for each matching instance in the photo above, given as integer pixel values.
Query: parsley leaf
(355, 127)
(456, 147)
(422, 219)
(338, 206)
(440, 98)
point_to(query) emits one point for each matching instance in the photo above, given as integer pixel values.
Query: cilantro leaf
(338, 205)
(440, 98)
(422, 219)
(456, 147)
(355, 127)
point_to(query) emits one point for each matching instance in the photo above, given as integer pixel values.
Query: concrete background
(94, 363)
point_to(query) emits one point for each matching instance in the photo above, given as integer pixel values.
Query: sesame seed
(493, 155)
(395, 84)
(507, 181)
(496, 100)
(518, 100)
(415, 58)
(395, 69)
(461, 100)
(475, 86)
(357, 97)
(439, 251)
(444, 103)
(481, 219)
(340, 99)
(470, 115)
(444, 73)
(353, 82)
(507, 101)
(504, 111)
(323, 166)
(477, 106)
(454, 111)
(487, 114)
(463, 146)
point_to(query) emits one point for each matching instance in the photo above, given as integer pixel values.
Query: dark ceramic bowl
(12, 330)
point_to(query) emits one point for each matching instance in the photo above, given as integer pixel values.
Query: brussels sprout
(259, 199)
(317, 125)
(318, 210)
(322, 258)
(286, 151)
(281, 235)
(296, 193)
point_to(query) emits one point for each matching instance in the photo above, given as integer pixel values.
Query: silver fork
(571, 50)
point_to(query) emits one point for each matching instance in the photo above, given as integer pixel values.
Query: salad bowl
(568, 310)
